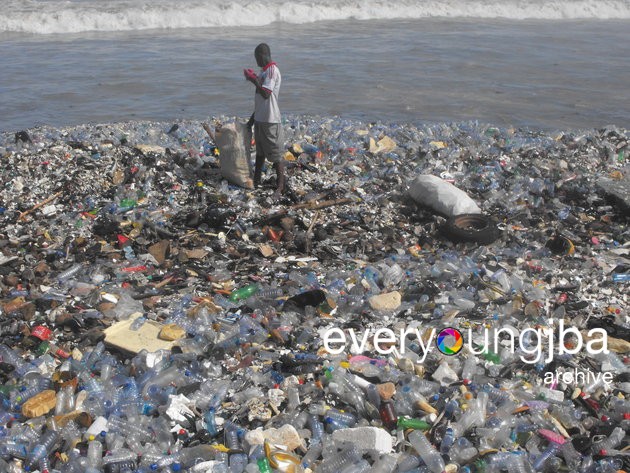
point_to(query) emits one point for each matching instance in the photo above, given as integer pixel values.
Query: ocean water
(560, 64)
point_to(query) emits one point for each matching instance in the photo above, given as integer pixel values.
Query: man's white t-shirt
(267, 110)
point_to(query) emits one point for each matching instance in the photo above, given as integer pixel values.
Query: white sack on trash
(234, 141)
(441, 196)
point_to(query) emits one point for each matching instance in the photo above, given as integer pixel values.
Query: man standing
(266, 117)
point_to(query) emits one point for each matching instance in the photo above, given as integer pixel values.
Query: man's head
(262, 53)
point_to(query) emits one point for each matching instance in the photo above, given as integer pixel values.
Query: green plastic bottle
(244, 292)
(415, 424)
(264, 466)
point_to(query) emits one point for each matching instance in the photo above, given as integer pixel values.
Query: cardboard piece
(133, 341)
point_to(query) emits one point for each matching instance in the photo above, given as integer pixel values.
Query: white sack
(234, 141)
(441, 196)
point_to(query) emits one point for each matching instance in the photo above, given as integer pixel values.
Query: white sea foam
(76, 16)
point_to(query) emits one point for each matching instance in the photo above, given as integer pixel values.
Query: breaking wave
(76, 16)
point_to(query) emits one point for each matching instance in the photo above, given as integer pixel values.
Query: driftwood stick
(309, 233)
(310, 205)
(36, 206)
(315, 205)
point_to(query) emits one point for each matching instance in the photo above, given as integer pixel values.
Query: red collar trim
(269, 65)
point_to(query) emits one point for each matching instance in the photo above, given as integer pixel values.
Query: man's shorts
(268, 138)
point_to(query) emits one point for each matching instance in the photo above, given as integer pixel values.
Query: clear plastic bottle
(608, 444)
(462, 451)
(119, 456)
(393, 275)
(385, 464)
(186, 457)
(270, 293)
(10, 356)
(362, 467)
(128, 429)
(95, 454)
(407, 462)
(69, 273)
(572, 457)
(11, 449)
(237, 461)
(345, 418)
(43, 448)
(20, 397)
(549, 452)
(447, 441)
(430, 456)
(311, 456)
(252, 331)
(137, 323)
(336, 462)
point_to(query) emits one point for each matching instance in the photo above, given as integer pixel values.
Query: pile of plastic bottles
(348, 338)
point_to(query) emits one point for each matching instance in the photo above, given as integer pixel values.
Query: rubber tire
(475, 228)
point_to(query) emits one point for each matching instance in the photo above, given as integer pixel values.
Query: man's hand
(250, 75)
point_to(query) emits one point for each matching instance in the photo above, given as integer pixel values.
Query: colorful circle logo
(450, 341)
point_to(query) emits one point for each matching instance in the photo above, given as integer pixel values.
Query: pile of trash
(156, 317)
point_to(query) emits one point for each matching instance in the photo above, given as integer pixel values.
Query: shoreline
(158, 127)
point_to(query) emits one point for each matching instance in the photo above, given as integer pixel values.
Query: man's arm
(261, 90)
(251, 76)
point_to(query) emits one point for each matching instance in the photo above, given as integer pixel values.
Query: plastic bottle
(333, 424)
(224, 302)
(469, 368)
(43, 448)
(572, 457)
(19, 397)
(118, 456)
(385, 464)
(244, 293)
(237, 461)
(263, 465)
(393, 276)
(410, 423)
(336, 462)
(137, 323)
(270, 293)
(608, 444)
(408, 462)
(95, 454)
(362, 467)
(69, 273)
(549, 452)
(210, 423)
(409, 400)
(95, 355)
(447, 441)
(252, 331)
(312, 454)
(10, 356)
(127, 429)
(373, 396)
(371, 276)
(13, 450)
(388, 414)
(186, 457)
(430, 456)
(344, 417)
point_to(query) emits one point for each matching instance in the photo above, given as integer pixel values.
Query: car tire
(475, 228)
